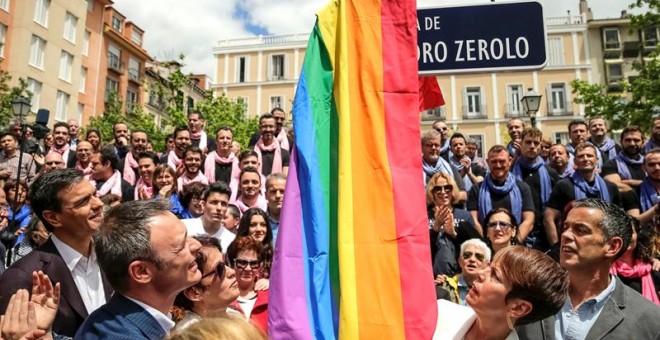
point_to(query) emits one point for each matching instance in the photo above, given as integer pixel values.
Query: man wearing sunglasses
(147, 255)
(441, 127)
(432, 162)
(474, 257)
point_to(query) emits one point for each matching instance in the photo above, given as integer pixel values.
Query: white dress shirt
(86, 274)
(165, 321)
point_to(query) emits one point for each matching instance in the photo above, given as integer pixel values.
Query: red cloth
(259, 315)
(430, 95)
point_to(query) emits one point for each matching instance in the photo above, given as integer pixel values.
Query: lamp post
(21, 108)
(531, 103)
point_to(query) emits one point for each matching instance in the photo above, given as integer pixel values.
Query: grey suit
(626, 315)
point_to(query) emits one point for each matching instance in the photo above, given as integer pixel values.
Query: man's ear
(141, 271)
(52, 218)
(613, 247)
(192, 293)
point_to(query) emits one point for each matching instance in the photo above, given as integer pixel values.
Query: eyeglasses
(219, 271)
(239, 263)
(468, 254)
(441, 129)
(442, 188)
(501, 224)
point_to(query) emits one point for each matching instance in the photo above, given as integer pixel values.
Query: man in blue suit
(147, 256)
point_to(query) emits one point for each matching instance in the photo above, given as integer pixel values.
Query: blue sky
(193, 27)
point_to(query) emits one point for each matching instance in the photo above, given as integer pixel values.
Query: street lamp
(21, 108)
(531, 103)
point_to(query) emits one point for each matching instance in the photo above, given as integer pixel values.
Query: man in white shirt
(216, 200)
(148, 257)
(67, 205)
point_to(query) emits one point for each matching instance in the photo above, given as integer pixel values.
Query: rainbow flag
(352, 259)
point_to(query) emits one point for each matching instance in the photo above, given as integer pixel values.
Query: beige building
(263, 71)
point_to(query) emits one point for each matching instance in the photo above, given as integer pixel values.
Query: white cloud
(194, 27)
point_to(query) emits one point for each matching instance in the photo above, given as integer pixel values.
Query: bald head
(52, 161)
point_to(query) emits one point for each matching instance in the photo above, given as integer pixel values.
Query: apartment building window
(111, 86)
(473, 106)
(611, 38)
(86, 38)
(514, 95)
(81, 110)
(114, 55)
(131, 100)
(433, 114)
(136, 37)
(277, 67)
(4, 5)
(241, 69)
(651, 37)
(61, 106)
(41, 12)
(133, 69)
(90, 5)
(556, 55)
(66, 62)
(34, 87)
(3, 37)
(37, 48)
(276, 101)
(83, 79)
(560, 137)
(70, 23)
(117, 23)
(479, 139)
(614, 73)
(557, 102)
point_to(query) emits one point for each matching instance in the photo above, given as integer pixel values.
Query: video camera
(40, 127)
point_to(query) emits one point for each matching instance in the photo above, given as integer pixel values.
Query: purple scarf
(508, 187)
(622, 162)
(648, 195)
(650, 145)
(544, 175)
(609, 148)
(584, 190)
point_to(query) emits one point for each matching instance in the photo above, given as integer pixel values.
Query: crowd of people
(535, 240)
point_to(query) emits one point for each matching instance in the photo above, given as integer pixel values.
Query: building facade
(72, 53)
(263, 71)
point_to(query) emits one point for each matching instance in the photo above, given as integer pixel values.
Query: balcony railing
(474, 112)
(564, 108)
(134, 74)
(433, 114)
(567, 20)
(114, 62)
(513, 110)
(612, 45)
(265, 40)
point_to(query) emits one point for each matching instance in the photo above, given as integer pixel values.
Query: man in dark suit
(599, 306)
(146, 254)
(68, 207)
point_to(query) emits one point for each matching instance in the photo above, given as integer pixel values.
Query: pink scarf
(64, 151)
(284, 142)
(277, 158)
(141, 184)
(112, 185)
(129, 164)
(201, 137)
(87, 171)
(639, 270)
(173, 160)
(185, 179)
(261, 203)
(209, 170)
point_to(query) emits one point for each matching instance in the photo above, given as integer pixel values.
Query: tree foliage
(221, 111)
(8, 94)
(640, 98)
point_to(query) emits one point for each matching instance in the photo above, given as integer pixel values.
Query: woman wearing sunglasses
(213, 294)
(501, 229)
(521, 286)
(449, 227)
(245, 255)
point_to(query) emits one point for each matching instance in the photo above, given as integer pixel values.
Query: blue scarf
(440, 166)
(445, 147)
(22, 216)
(570, 149)
(568, 171)
(650, 145)
(544, 176)
(622, 162)
(509, 187)
(457, 164)
(609, 148)
(648, 196)
(511, 149)
(584, 190)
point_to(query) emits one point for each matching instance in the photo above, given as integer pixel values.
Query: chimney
(624, 14)
(585, 10)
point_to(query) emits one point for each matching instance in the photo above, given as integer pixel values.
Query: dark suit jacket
(71, 160)
(120, 318)
(626, 315)
(71, 312)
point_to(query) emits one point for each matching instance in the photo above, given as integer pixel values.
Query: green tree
(221, 111)
(640, 98)
(9, 93)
